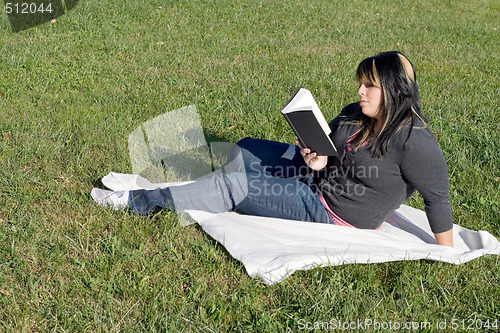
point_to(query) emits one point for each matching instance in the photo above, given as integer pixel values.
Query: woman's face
(370, 99)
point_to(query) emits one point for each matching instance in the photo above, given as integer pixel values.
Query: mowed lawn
(71, 92)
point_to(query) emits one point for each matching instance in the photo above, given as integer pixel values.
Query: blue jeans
(263, 178)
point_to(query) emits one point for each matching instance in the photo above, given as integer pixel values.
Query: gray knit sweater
(364, 190)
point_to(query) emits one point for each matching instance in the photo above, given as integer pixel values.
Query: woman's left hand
(312, 160)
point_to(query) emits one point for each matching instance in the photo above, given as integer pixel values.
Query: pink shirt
(336, 219)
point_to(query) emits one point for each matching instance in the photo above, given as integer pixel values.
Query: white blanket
(273, 249)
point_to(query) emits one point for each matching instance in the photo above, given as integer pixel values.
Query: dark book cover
(310, 133)
(308, 123)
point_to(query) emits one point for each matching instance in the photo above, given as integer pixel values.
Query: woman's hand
(445, 238)
(312, 160)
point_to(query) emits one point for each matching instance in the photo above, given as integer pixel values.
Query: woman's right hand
(312, 160)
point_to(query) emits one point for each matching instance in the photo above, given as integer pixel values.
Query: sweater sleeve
(424, 166)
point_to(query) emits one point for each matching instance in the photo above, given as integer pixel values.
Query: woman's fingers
(312, 159)
(308, 157)
(306, 154)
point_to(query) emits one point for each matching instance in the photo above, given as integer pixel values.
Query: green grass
(72, 91)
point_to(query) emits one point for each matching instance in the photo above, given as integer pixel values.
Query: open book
(308, 123)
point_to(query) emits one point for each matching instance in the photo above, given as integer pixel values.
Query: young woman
(386, 153)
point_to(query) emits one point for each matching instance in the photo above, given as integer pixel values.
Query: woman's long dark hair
(395, 75)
